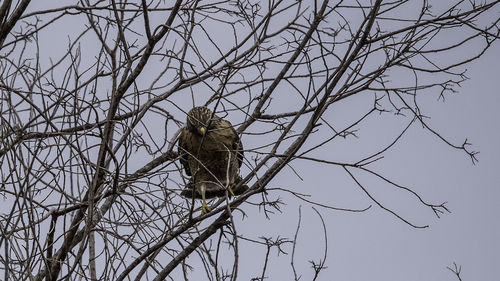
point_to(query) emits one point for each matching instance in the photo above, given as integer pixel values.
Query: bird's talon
(204, 208)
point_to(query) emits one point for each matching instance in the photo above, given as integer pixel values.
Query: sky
(375, 245)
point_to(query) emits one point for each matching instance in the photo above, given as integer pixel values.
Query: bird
(211, 154)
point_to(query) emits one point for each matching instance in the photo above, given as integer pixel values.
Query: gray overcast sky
(374, 245)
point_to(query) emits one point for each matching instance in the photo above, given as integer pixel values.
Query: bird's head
(200, 120)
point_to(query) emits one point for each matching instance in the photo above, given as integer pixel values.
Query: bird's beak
(202, 130)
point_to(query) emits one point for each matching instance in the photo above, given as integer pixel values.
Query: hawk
(211, 154)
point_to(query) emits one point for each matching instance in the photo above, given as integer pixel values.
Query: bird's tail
(190, 191)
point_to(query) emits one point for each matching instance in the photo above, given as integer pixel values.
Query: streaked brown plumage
(211, 154)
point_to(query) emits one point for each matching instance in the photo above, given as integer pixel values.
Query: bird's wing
(237, 146)
(183, 138)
